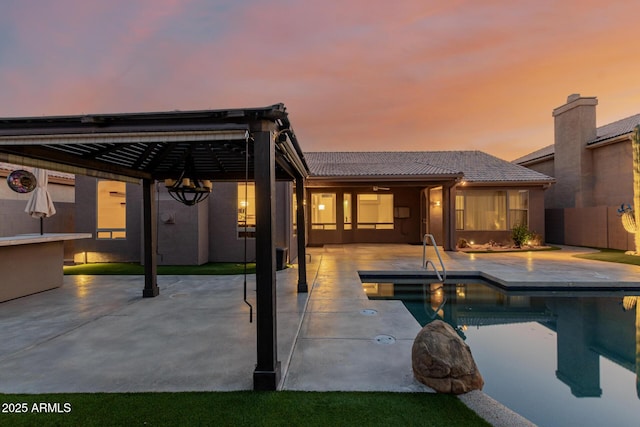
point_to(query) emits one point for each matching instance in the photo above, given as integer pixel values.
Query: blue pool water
(557, 358)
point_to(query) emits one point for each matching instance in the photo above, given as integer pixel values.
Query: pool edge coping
(502, 284)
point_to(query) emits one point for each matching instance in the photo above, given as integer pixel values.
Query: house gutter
(385, 178)
(536, 160)
(613, 140)
(544, 184)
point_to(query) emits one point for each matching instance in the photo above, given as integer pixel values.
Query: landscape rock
(443, 361)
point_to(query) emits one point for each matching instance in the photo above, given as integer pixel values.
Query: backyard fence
(599, 227)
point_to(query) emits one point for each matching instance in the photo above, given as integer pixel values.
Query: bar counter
(32, 263)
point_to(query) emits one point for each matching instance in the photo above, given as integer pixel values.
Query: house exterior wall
(574, 126)
(410, 230)
(405, 230)
(286, 236)
(182, 231)
(613, 174)
(14, 220)
(60, 193)
(591, 181)
(546, 167)
(187, 235)
(536, 218)
(94, 250)
(225, 245)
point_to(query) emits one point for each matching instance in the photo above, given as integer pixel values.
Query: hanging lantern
(188, 189)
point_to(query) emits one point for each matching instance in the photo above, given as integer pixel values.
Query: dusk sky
(354, 74)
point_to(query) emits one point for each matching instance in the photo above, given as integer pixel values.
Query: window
(323, 211)
(246, 209)
(347, 210)
(294, 207)
(111, 212)
(459, 211)
(375, 211)
(518, 208)
(485, 210)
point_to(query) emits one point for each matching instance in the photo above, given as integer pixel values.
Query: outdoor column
(149, 238)
(449, 216)
(267, 373)
(302, 240)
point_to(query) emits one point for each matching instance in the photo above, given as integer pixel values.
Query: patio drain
(384, 339)
(369, 312)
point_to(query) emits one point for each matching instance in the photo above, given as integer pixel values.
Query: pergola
(216, 145)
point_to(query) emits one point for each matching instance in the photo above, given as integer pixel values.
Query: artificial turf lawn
(243, 408)
(611, 255)
(128, 268)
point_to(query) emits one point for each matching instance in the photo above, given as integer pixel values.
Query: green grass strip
(127, 268)
(244, 408)
(611, 255)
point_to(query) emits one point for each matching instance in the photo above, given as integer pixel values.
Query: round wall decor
(21, 181)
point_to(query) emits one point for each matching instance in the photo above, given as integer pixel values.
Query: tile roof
(603, 133)
(540, 154)
(475, 166)
(617, 128)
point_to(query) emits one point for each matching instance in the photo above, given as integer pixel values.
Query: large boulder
(443, 361)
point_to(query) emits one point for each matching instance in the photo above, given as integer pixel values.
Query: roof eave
(543, 183)
(388, 178)
(536, 160)
(611, 140)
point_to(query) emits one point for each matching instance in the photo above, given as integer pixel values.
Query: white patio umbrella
(40, 204)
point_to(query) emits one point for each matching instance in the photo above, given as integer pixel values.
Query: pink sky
(354, 74)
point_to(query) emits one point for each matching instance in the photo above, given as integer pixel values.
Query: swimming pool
(557, 358)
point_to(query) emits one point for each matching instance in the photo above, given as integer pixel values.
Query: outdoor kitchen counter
(32, 263)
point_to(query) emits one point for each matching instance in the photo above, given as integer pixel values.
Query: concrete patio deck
(96, 333)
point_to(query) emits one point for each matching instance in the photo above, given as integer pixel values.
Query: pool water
(556, 358)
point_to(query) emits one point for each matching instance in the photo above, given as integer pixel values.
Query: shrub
(521, 235)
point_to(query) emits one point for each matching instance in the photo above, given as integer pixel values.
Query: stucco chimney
(574, 126)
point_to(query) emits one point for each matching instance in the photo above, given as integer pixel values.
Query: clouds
(353, 74)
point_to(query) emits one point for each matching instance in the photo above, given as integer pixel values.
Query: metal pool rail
(425, 262)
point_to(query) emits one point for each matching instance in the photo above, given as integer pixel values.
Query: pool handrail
(425, 262)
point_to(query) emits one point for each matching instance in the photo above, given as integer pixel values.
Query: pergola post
(149, 239)
(267, 372)
(302, 239)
